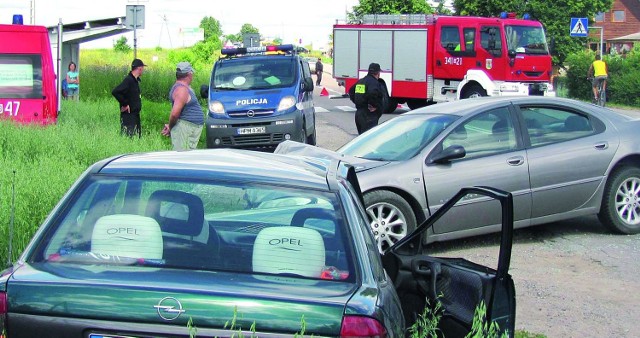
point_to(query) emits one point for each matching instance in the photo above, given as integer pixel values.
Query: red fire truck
(430, 58)
(27, 77)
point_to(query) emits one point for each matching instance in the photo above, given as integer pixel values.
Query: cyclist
(599, 72)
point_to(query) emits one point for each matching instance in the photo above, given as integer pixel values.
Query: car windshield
(526, 39)
(247, 73)
(240, 228)
(398, 139)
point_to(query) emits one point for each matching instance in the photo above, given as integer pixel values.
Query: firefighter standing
(370, 97)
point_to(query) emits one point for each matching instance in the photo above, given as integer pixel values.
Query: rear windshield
(20, 76)
(254, 73)
(240, 228)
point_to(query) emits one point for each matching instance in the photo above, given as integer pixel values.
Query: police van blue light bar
(261, 49)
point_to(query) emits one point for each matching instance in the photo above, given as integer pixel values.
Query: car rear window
(243, 228)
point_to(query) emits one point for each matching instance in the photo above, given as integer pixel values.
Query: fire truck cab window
(450, 38)
(469, 39)
(490, 40)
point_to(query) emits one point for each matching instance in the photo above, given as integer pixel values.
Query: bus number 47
(11, 108)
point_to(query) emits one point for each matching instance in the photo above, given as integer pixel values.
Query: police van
(259, 97)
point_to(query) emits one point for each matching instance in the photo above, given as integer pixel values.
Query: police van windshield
(254, 73)
(526, 40)
(20, 76)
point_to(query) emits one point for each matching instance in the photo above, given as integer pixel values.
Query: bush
(623, 85)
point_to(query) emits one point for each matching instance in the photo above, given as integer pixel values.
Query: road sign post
(135, 20)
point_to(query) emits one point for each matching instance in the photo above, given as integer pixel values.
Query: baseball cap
(374, 67)
(137, 63)
(184, 67)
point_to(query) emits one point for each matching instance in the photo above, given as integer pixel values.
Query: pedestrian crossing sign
(579, 27)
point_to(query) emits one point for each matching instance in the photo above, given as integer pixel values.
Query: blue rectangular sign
(579, 27)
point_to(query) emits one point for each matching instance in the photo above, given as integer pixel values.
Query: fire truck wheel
(391, 107)
(416, 103)
(473, 91)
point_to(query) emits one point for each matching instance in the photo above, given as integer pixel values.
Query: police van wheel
(473, 91)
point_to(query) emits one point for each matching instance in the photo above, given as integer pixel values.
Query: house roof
(630, 37)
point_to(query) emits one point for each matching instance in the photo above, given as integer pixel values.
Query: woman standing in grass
(73, 81)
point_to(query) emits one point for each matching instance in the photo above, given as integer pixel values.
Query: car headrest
(177, 212)
(460, 133)
(286, 249)
(127, 236)
(576, 123)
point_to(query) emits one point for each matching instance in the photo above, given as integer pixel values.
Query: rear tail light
(3, 314)
(360, 326)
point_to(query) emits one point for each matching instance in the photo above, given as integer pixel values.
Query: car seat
(500, 130)
(289, 250)
(127, 236)
(189, 240)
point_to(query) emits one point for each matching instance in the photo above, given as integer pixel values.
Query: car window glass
(268, 230)
(398, 139)
(490, 40)
(547, 125)
(356, 209)
(485, 134)
(450, 38)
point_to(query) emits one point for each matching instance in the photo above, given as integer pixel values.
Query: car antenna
(13, 208)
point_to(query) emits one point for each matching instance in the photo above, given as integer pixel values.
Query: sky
(291, 20)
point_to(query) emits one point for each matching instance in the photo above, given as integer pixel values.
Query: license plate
(252, 130)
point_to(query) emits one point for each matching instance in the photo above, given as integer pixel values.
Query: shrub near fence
(623, 85)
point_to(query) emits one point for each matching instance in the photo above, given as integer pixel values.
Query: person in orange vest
(599, 71)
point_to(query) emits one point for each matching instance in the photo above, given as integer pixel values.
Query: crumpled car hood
(301, 149)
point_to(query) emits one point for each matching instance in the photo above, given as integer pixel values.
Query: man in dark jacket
(128, 95)
(319, 71)
(370, 97)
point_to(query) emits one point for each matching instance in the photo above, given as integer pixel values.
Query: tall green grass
(47, 160)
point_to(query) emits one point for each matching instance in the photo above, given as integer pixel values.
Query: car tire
(620, 210)
(473, 91)
(384, 208)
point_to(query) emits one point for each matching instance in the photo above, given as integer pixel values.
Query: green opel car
(229, 243)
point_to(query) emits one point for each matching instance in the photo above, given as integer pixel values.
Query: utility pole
(32, 12)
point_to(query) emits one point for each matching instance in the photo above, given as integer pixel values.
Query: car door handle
(601, 145)
(515, 161)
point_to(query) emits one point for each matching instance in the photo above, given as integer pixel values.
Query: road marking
(321, 110)
(346, 108)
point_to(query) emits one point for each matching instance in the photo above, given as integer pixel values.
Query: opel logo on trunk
(251, 113)
(169, 308)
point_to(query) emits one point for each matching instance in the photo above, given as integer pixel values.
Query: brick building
(621, 27)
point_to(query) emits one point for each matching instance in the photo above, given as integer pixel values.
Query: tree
(211, 28)
(390, 7)
(121, 45)
(248, 28)
(555, 16)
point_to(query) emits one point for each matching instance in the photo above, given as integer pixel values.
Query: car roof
(470, 106)
(223, 164)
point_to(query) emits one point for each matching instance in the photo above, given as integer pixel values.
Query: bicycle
(601, 97)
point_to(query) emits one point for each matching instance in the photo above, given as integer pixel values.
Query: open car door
(459, 285)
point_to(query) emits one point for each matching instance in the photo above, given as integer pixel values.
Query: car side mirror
(204, 91)
(512, 57)
(446, 155)
(307, 84)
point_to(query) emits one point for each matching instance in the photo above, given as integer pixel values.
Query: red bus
(27, 76)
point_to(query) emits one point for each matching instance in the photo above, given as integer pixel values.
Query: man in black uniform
(319, 67)
(128, 95)
(370, 97)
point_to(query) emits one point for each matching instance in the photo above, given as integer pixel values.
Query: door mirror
(446, 155)
(307, 85)
(204, 91)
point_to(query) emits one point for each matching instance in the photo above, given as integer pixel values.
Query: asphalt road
(573, 278)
